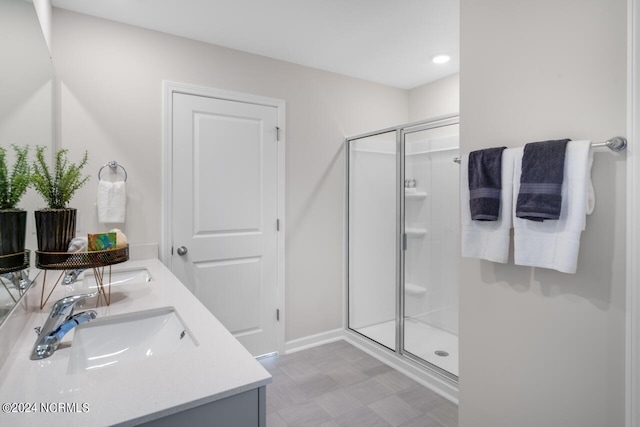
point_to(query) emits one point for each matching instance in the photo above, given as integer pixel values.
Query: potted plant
(13, 185)
(56, 225)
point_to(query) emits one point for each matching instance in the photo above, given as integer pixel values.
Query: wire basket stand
(94, 260)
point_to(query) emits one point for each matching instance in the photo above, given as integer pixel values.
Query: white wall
(435, 99)
(537, 347)
(110, 78)
(26, 87)
(45, 12)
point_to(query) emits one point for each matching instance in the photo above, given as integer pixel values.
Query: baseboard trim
(313, 341)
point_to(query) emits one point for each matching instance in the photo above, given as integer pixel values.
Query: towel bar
(617, 143)
(114, 166)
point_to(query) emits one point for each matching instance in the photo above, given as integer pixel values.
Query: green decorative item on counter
(13, 185)
(101, 241)
(56, 225)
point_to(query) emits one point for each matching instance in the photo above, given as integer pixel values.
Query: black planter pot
(55, 228)
(13, 230)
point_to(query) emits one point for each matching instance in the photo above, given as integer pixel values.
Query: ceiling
(385, 41)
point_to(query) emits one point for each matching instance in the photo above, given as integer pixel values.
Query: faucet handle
(64, 306)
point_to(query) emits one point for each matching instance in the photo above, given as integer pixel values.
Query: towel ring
(113, 165)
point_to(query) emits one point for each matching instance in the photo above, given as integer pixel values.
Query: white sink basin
(120, 277)
(127, 338)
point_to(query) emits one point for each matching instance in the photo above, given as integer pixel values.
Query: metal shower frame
(401, 131)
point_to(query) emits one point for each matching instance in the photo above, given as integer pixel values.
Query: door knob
(182, 251)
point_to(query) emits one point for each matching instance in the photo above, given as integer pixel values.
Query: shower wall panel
(372, 233)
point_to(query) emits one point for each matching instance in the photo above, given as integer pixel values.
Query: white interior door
(224, 212)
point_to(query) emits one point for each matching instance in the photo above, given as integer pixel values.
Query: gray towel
(540, 195)
(485, 183)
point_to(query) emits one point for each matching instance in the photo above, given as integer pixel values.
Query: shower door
(430, 274)
(403, 240)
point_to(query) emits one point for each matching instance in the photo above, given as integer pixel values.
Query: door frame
(170, 88)
(633, 210)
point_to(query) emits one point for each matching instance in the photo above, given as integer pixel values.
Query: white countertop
(133, 392)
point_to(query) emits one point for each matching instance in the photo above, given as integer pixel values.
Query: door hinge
(404, 241)
(277, 133)
(277, 225)
(278, 314)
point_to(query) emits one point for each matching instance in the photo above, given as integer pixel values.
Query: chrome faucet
(19, 279)
(60, 321)
(71, 276)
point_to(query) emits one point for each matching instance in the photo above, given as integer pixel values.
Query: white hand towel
(78, 244)
(555, 244)
(488, 240)
(112, 198)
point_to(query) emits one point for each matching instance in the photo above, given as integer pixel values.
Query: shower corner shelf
(413, 289)
(415, 232)
(417, 195)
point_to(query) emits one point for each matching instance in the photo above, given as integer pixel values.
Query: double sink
(123, 338)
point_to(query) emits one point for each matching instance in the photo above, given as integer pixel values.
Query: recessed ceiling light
(440, 59)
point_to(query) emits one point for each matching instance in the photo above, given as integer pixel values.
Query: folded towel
(555, 244)
(78, 244)
(540, 196)
(488, 240)
(112, 198)
(485, 183)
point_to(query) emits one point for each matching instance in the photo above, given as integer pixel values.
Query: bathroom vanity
(208, 379)
(193, 371)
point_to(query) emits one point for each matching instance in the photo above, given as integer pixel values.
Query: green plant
(58, 188)
(13, 185)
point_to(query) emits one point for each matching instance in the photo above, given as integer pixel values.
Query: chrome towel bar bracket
(113, 165)
(617, 143)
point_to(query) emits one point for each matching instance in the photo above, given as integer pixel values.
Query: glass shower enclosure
(403, 241)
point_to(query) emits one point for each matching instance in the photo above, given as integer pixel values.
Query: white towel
(78, 244)
(488, 240)
(555, 243)
(112, 198)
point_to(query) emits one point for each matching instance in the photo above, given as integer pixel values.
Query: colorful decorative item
(102, 241)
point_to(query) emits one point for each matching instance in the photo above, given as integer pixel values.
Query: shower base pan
(422, 340)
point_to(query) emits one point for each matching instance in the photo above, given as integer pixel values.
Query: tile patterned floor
(338, 385)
